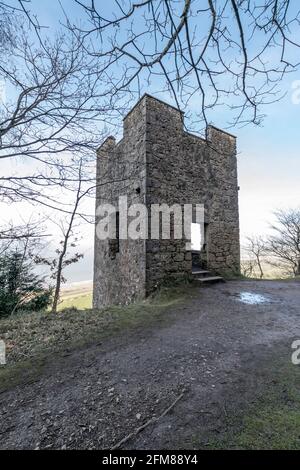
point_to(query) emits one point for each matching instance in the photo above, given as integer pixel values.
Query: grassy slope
(31, 339)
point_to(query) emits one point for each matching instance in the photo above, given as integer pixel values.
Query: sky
(268, 163)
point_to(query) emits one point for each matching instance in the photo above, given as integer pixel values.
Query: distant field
(270, 272)
(79, 296)
(80, 302)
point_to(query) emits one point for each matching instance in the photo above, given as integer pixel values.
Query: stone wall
(121, 171)
(185, 169)
(223, 209)
(169, 166)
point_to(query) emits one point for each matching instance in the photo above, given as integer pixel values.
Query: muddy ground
(210, 358)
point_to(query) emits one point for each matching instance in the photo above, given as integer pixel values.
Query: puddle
(252, 299)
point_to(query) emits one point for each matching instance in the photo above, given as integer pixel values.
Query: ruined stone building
(158, 162)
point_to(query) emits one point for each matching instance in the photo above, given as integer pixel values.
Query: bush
(20, 287)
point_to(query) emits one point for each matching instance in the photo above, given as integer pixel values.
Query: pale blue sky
(268, 159)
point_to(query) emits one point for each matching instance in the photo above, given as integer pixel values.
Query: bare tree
(64, 91)
(55, 111)
(67, 89)
(32, 231)
(217, 52)
(284, 245)
(12, 232)
(247, 267)
(256, 249)
(59, 264)
(69, 240)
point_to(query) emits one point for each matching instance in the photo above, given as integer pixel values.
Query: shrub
(20, 287)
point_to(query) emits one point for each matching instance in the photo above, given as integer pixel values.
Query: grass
(271, 422)
(83, 301)
(32, 338)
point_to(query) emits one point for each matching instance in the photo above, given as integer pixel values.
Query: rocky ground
(178, 382)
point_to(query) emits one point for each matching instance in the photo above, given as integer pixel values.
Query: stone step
(210, 279)
(200, 271)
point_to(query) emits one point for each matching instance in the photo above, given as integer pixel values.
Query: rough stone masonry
(158, 162)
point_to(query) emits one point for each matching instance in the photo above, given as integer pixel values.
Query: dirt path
(216, 349)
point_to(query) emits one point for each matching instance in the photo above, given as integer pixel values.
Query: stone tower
(158, 162)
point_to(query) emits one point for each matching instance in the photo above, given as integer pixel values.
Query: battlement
(147, 107)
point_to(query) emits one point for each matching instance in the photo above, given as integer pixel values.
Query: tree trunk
(65, 244)
(58, 283)
(261, 273)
